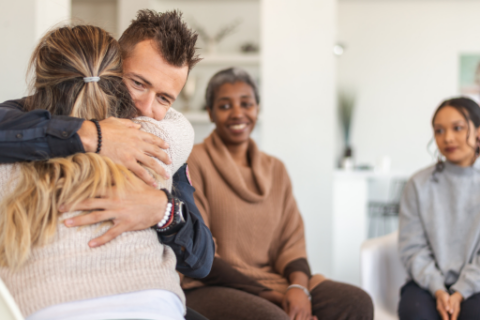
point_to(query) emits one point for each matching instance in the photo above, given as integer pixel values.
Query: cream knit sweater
(67, 269)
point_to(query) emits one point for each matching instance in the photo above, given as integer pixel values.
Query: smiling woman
(245, 197)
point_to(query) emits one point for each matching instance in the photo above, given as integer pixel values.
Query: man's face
(153, 83)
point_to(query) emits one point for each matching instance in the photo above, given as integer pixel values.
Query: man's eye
(136, 83)
(163, 100)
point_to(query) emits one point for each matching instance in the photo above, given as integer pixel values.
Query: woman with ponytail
(50, 270)
(440, 222)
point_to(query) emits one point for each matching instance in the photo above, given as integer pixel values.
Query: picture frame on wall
(469, 75)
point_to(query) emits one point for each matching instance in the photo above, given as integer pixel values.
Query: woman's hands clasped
(448, 306)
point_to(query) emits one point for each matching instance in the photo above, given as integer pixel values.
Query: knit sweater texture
(67, 269)
(251, 212)
(439, 238)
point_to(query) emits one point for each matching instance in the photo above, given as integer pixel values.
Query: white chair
(8, 308)
(382, 274)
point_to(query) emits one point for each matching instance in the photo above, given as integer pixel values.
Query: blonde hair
(29, 214)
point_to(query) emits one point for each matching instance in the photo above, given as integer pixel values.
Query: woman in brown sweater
(245, 196)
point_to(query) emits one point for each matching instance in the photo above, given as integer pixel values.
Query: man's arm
(193, 243)
(36, 135)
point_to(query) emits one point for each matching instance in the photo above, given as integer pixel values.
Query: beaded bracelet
(168, 216)
(99, 131)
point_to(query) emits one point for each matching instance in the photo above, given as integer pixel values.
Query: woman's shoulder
(199, 156)
(422, 176)
(199, 151)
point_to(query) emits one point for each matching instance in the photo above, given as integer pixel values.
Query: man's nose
(148, 104)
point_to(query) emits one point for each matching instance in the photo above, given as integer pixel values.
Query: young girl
(440, 222)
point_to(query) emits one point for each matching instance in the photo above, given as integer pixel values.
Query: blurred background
(348, 88)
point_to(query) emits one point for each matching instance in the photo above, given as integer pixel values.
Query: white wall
(402, 59)
(23, 23)
(127, 10)
(101, 13)
(213, 16)
(298, 73)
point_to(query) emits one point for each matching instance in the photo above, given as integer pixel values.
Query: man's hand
(140, 208)
(297, 305)
(443, 304)
(124, 143)
(455, 300)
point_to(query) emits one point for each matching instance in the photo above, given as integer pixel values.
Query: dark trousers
(330, 301)
(419, 304)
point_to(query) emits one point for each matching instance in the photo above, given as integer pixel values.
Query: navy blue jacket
(37, 135)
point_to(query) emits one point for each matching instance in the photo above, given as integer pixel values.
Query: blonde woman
(50, 270)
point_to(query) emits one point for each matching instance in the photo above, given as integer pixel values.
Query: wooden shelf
(234, 59)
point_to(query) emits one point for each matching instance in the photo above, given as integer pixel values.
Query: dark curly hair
(173, 38)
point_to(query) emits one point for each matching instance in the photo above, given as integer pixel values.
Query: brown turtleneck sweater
(251, 213)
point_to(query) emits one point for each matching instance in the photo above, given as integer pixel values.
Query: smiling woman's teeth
(238, 126)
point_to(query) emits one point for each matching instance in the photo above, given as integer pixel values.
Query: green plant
(346, 106)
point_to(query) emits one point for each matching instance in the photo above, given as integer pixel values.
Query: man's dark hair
(174, 40)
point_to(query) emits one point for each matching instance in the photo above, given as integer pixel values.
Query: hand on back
(124, 143)
(140, 208)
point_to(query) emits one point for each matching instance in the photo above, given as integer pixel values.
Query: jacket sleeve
(414, 249)
(193, 244)
(36, 135)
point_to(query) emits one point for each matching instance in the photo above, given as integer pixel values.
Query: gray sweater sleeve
(468, 282)
(415, 251)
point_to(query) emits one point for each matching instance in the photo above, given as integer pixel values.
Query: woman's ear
(210, 114)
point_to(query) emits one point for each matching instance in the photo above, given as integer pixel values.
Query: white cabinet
(352, 191)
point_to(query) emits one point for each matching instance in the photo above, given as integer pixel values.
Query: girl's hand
(443, 304)
(297, 305)
(455, 300)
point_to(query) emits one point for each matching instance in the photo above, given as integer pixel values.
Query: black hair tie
(99, 131)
